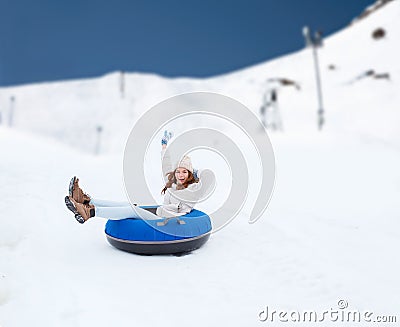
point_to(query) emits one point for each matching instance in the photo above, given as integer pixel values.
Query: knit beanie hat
(185, 163)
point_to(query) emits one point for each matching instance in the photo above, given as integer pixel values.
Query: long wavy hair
(172, 180)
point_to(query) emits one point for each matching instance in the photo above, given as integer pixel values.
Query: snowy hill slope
(71, 111)
(330, 232)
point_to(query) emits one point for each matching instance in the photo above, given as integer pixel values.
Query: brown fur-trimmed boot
(81, 211)
(76, 192)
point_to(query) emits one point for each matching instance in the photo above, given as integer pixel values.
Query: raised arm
(166, 162)
(165, 156)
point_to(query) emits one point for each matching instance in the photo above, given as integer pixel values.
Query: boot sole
(71, 186)
(72, 208)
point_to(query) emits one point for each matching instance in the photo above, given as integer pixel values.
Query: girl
(177, 201)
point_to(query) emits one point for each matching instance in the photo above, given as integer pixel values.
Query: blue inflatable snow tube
(147, 237)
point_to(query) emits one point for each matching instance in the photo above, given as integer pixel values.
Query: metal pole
(11, 112)
(99, 129)
(314, 43)
(122, 84)
(321, 119)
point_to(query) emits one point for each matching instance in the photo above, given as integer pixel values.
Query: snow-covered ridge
(351, 63)
(371, 9)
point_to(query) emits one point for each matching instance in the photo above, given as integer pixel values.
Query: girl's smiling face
(181, 175)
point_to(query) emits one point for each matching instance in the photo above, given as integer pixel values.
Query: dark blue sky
(44, 40)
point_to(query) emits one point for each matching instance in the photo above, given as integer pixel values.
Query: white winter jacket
(180, 202)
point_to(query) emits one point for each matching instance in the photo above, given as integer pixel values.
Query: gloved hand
(167, 136)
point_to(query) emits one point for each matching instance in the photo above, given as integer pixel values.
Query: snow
(331, 230)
